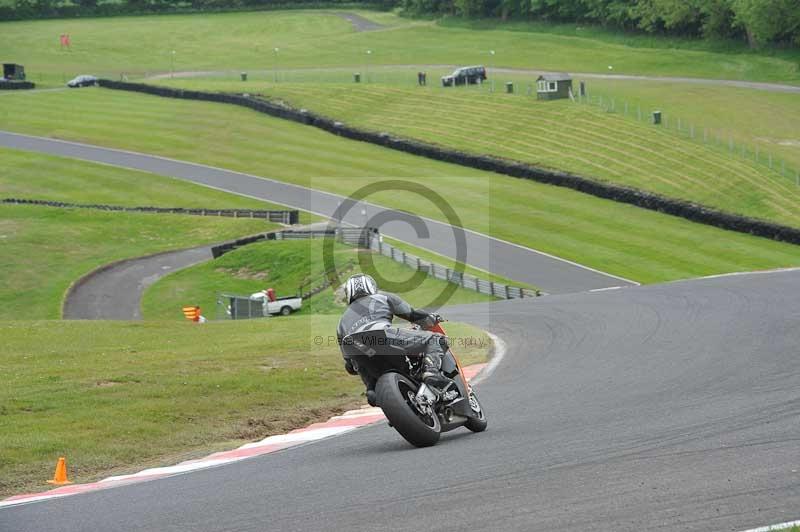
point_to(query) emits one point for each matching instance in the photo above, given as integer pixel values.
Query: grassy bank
(37, 176)
(284, 266)
(624, 240)
(246, 41)
(560, 135)
(115, 397)
(45, 249)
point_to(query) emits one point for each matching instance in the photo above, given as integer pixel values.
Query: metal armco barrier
(282, 217)
(437, 271)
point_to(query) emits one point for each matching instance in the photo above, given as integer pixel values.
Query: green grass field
(763, 120)
(599, 233)
(246, 41)
(561, 134)
(46, 249)
(187, 390)
(283, 265)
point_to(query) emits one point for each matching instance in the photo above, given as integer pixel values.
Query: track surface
(671, 407)
(115, 292)
(754, 85)
(551, 274)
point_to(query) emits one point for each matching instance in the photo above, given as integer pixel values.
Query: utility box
(357, 77)
(509, 87)
(13, 72)
(656, 117)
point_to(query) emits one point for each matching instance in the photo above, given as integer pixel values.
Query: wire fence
(720, 140)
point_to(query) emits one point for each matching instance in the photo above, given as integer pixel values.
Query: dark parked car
(465, 76)
(82, 81)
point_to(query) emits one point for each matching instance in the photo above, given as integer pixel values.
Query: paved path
(115, 291)
(360, 23)
(754, 85)
(660, 408)
(551, 274)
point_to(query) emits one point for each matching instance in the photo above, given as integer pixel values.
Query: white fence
(438, 271)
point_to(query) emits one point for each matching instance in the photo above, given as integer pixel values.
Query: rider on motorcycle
(369, 310)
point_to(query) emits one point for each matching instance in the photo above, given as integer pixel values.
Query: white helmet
(359, 285)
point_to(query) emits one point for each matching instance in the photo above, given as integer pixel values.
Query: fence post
(419, 265)
(507, 296)
(491, 288)
(404, 257)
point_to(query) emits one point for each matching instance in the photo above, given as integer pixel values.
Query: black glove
(436, 318)
(349, 368)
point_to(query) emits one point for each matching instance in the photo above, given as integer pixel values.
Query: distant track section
(551, 274)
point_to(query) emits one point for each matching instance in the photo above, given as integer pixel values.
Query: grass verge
(247, 41)
(45, 249)
(114, 397)
(284, 265)
(620, 239)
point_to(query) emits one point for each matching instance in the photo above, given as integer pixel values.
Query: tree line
(759, 22)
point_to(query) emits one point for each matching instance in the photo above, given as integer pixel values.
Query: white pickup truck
(282, 305)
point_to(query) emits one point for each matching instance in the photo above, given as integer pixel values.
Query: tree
(767, 21)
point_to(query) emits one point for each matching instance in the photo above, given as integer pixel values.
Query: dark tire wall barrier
(646, 200)
(16, 85)
(286, 217)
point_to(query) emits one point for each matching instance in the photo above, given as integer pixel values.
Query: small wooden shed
(553, 86)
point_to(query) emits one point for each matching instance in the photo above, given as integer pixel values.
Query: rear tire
(285, 311)
(419, 430)
(476, 424)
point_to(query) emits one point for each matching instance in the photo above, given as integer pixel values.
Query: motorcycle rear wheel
(394, 393)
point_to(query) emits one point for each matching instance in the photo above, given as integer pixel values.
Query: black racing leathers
(374, 313)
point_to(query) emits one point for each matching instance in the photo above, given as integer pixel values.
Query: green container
(656, 117)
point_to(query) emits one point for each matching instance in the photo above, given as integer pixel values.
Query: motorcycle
(418, 411)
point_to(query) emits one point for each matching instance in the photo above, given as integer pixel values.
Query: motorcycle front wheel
(477, 423)
(395, 395)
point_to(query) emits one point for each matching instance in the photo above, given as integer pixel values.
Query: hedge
(646, 200)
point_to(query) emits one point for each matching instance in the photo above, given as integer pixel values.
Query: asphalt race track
(115, 291)
(669, 407)
(551, 274)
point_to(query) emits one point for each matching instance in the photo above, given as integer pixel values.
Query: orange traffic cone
(60, 477)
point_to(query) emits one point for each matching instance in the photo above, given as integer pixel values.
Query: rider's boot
(432, 373)
(372, 398)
